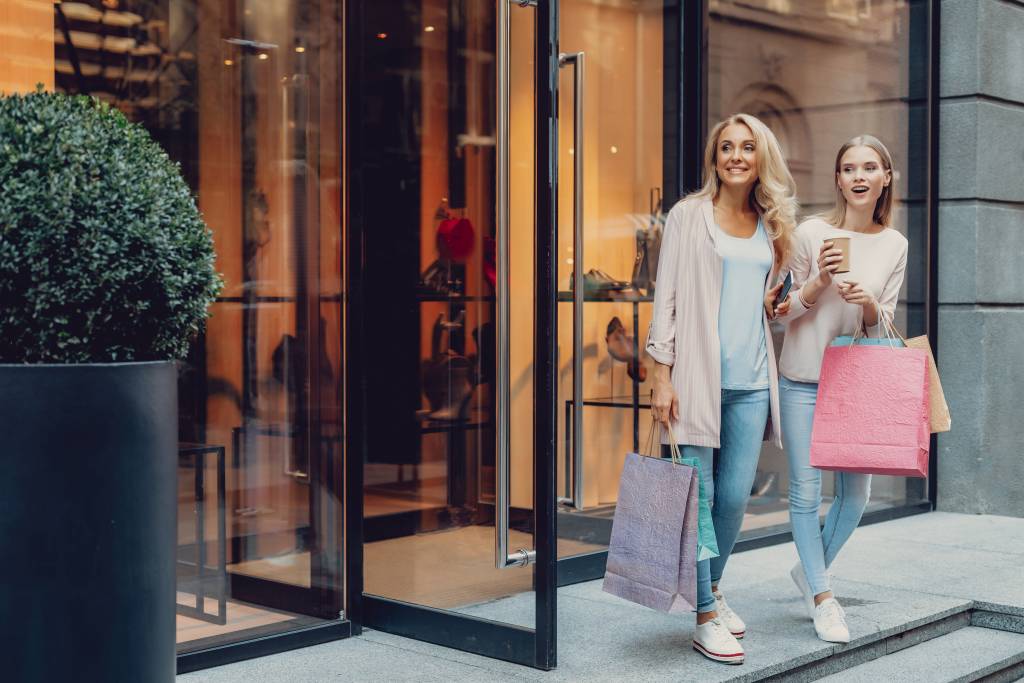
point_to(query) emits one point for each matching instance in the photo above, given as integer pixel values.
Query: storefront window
(819, 73)
(246, 97)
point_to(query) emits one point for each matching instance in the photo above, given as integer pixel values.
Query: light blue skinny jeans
(817, 547)
(744, 415)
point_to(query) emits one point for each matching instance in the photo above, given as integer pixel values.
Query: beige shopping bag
(938, 409)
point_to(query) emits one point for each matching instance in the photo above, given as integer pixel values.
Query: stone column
(981, 256)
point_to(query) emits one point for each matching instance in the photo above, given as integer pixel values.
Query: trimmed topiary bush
(103, 253)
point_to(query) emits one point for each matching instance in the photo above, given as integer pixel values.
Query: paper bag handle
(891, 333)
(648, 450)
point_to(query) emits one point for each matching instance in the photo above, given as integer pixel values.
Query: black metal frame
(530, 647)
(260, 647)
(202, 571)
(932, 201)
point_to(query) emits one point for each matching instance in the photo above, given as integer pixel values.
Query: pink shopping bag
(872, 411)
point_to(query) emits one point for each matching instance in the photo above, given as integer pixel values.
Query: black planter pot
(87, 522)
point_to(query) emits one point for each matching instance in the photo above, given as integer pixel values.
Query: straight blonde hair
(774, 193)
(883, 207)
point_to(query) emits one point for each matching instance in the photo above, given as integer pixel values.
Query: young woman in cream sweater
(822, 306)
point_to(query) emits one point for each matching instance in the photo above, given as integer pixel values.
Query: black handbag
(648, 248)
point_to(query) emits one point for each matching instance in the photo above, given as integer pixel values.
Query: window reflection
(819, 73)
(246, 97)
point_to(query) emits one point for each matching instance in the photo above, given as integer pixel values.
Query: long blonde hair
(883, 207)
(774, 193)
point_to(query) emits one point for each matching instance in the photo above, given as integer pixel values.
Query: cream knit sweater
(878, 262)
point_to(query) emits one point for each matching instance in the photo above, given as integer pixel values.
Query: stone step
(603, 638)
(967, 654)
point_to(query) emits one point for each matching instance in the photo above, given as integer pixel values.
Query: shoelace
(832, 611)
(723, 606)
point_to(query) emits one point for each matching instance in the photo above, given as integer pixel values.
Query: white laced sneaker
(732, 620)
(830, 622)
(713, 640)
(800, 579)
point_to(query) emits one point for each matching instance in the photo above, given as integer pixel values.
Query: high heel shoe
(620, 347)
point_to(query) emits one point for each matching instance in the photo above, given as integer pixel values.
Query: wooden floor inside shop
(240, 617)
(449, 569)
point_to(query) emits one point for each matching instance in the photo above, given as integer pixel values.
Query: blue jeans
(817, 547)
(744, 415)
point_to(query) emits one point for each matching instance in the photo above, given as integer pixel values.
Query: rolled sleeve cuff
(660, 353)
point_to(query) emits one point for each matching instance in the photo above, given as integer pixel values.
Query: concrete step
(967, 654)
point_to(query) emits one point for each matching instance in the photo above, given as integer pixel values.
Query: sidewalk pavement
(890, 575)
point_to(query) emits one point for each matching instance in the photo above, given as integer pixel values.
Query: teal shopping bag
(707, 542)
(847, 340)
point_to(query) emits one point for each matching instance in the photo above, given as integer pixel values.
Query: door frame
(530, 647)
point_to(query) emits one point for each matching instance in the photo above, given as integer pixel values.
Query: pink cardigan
(684, 326)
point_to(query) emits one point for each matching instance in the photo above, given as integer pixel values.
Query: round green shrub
(103, 253)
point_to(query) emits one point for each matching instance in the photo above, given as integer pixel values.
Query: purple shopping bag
(872, 412)
(652, 556)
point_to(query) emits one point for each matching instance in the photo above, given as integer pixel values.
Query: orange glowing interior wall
(26, 45)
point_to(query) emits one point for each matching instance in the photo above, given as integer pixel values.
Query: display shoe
(830, 622)
(713, 640)
(598, 283)
(800, 579)
(620, 347)
(610, 282)
(732, 620)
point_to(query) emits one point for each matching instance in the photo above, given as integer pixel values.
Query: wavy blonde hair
(774, 193)
(883, 207)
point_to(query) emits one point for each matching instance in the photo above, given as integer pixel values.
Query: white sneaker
(800, 579)
(830, 622)
(713, 640)
(732, 621)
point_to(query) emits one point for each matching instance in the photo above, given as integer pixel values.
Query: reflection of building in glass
(819, 73)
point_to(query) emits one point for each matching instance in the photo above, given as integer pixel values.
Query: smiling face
(861, 177)
(736, 156)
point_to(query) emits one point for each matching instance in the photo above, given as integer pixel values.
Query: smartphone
(787, 285)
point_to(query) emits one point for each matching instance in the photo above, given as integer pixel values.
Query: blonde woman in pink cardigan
(715, 381)
(825, 306)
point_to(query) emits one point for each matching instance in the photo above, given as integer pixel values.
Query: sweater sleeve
(800, 265)
(890, 293)
(661, 335)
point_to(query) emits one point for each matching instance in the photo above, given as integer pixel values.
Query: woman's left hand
(852, 293)
(771, 309)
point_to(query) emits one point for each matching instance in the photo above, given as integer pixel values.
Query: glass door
(451, 320)
(246, 97)
(618, 160)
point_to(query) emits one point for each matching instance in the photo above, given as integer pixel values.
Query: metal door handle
(574, 486)
(522, 556)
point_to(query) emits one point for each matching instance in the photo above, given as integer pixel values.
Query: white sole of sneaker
(831, 640)
(724, 658)
(738, 636)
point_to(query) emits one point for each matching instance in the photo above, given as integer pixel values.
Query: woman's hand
(828, 262)
(770, 309)
(664, 402)
(853, 293)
